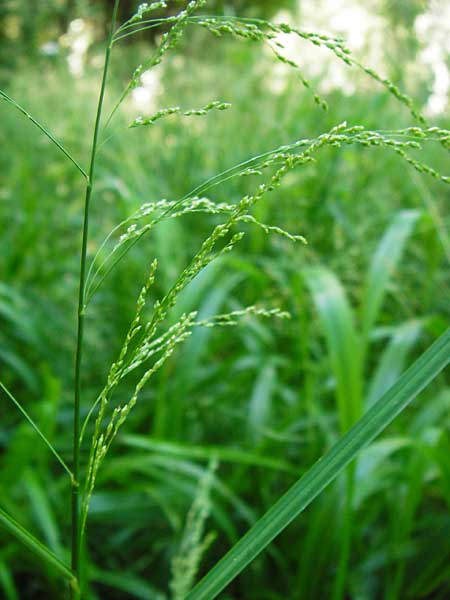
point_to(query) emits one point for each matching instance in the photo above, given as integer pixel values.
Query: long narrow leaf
(7, 582)
(343, 341)
(223, 454)
(42, 510)
(393, 359)
(128, 583)
(36, 429)
(17, 106)
(261, 399)
(384, 262)
(34, 545)
(325, 470)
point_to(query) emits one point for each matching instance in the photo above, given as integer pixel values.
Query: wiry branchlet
(392, 88)
(171, 38)
(98, 446)
(143, 351)
(255, 30)
(169, 41)
(305, 82)
(104, 436)
(171, 209)
(176, 110)
(284, 158)
(232, 318)
(264, 31)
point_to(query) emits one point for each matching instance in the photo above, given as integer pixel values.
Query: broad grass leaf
(260, 405)
(7, 582)
(343, 341)
(325, 470)
(385, 260)
(393, 358)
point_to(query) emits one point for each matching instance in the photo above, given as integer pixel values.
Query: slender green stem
(128, 25)
(44, 131)
(145, 28)
(76, 541)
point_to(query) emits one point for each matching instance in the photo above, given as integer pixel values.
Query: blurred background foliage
(268, 397)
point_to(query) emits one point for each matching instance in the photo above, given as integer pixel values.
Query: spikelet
(144, 9)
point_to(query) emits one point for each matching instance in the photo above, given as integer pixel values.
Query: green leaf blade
(385, 260)
(36, 429)
(342, 339)
(393, 358)
(36, 547)
(325, 470)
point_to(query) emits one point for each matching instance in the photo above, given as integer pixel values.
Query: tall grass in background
(365, 404)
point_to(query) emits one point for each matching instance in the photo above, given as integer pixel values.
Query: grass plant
(367, 397)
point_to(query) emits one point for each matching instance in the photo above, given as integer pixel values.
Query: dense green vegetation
(236, 414)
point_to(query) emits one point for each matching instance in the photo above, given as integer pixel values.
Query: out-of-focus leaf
(225, 454)
(261, 399)
(43, 512)
(392, 361)
(128, 583)
(343, 342)
(385, 260)
(7, 582)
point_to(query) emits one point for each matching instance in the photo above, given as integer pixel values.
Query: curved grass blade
(42, 511)
(343, 341)
(37, 430)
(231, 455)
(385, 260)
(128, 583)
(261, 400)
(35, 545)
(393, 358)
(7, 582)
(325, 470)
